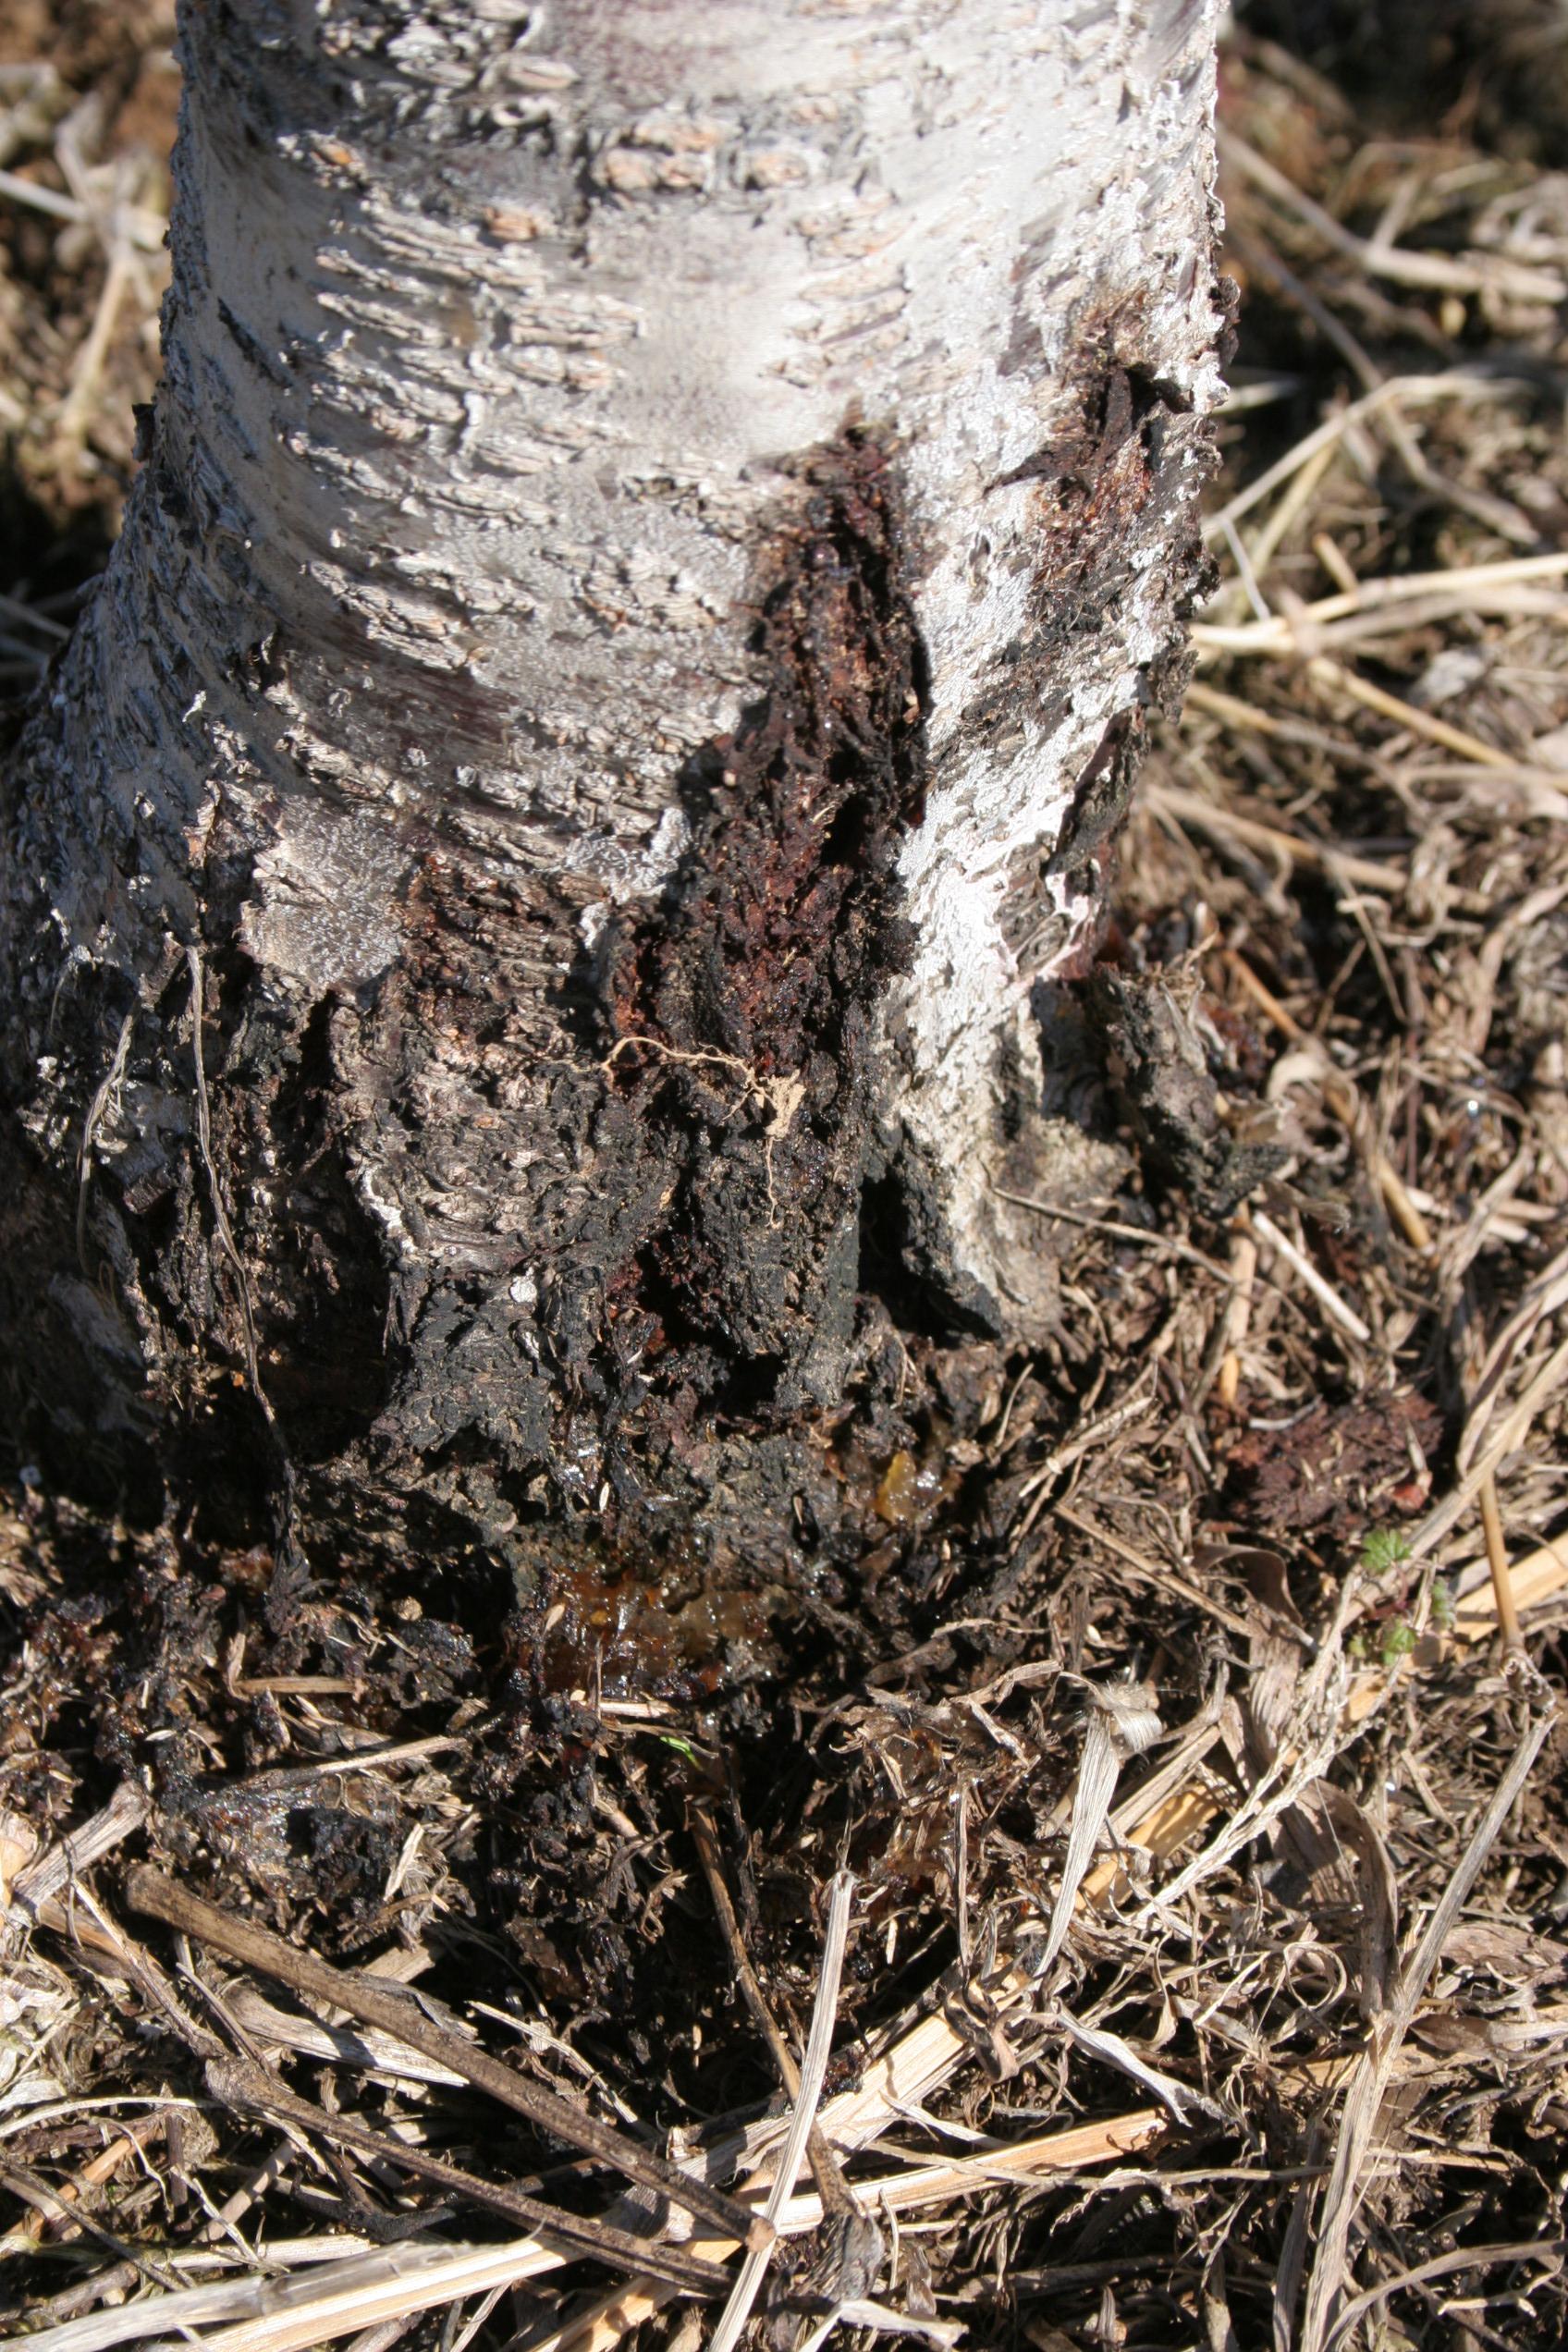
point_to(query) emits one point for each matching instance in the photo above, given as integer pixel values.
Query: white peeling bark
(504, 346)
(1095, 257)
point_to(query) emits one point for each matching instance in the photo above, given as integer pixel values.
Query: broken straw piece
(1122, 1721)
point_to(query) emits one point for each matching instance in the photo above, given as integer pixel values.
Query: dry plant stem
(707, 1854)
(1463, 2258)
(47, 2202)
(825, 2170)
(1167, 1242)
(814, 2074)
(1335, 563)
(146, 229)
(1334, 675)
(1088, 1439)
(252, 2091)
(1397, 1201)
(1457, 384)
(1515, 1425)
(73, 422)
(395, 2013)
(1284, 633)
(51, 1872)
(1175, 1774)
(1233, 710)
(923, 2059)
(1052, 2155)
(1497, 1560)
(1537, 1577)
(1167, 1824)
(1122, 1723)
(1320, 2328)
(1298, 496)
(362, 1760)
(1235, 713)
(1261, 258)
(276, 2030)
(14, 609)
(1546, 1297)
(101, 1942)
(350, 2291)
(390, 2332)
(267, 2314)
(1473, 275)
(1154, 1572)
(1298, 1260)
(1264, 998)
(919, 2186)
(127, 2141)
(1292, 634)
(1237, 1314)
(1222, 825)
(882, 2320)
(1293, 1770)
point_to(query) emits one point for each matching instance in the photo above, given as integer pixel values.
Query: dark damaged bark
(526, 904)
(742, 1011)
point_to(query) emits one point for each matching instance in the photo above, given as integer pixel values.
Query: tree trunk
(526, 900)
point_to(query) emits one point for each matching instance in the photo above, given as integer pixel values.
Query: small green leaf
(1399, 1640)
(1382, 1551)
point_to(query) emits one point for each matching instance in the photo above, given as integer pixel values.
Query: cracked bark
(658, 539)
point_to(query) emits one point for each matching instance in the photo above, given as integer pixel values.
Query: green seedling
(1382, 1549)
(1399, 1640)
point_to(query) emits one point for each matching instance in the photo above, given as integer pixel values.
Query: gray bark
(658, 537)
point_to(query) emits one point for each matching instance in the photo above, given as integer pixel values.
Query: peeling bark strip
(524, 900)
